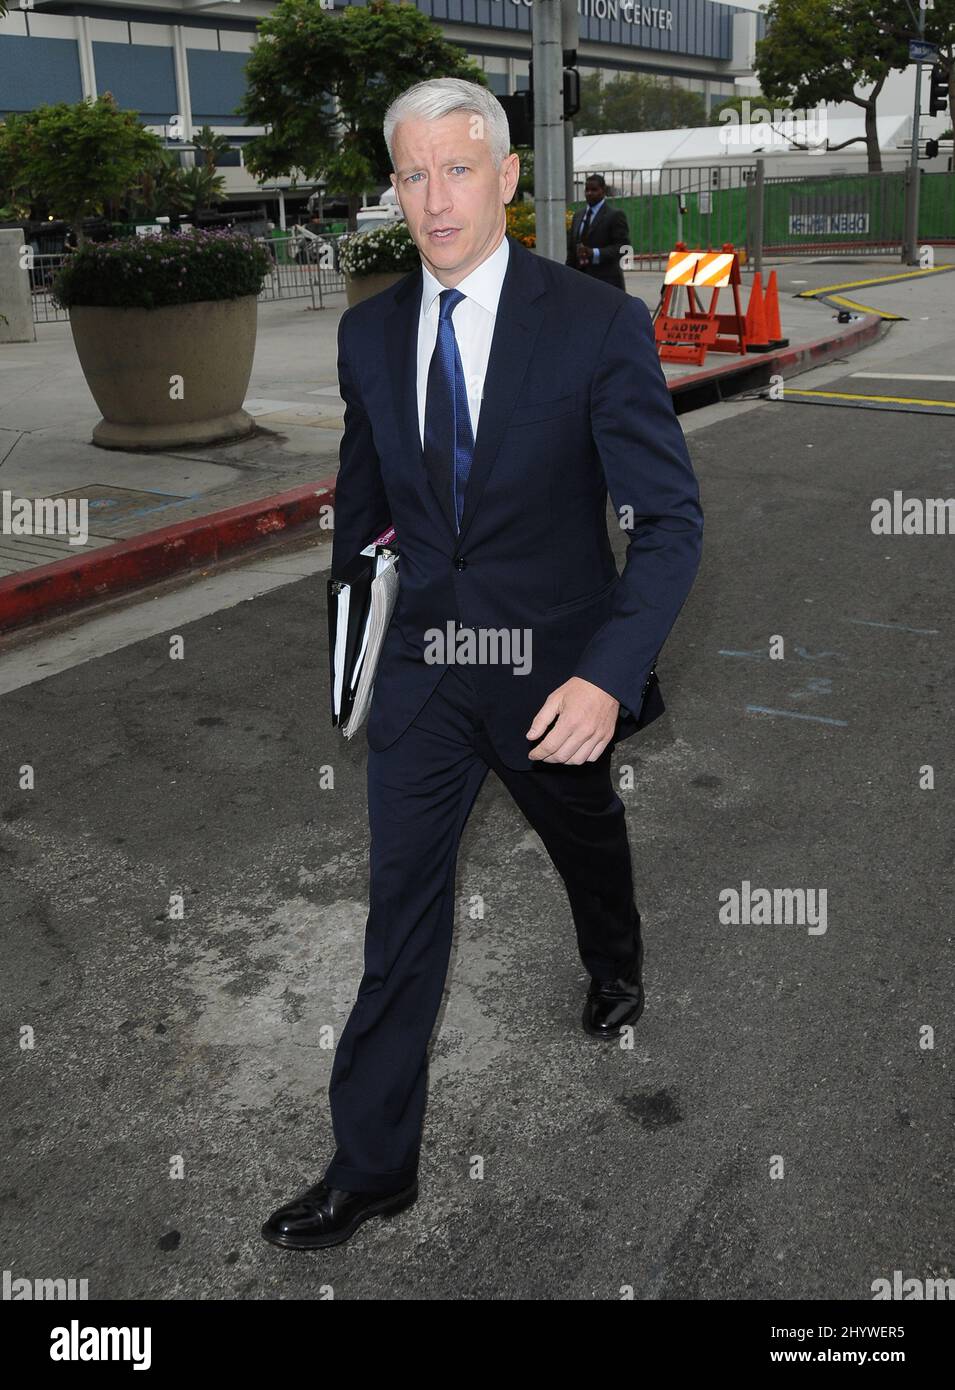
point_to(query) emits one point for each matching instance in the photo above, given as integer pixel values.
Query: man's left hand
(586, 718)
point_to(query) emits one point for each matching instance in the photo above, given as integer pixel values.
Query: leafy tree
(635, 101)
(75, 159)
(322, 83)
(588, 118)
(14, 195)
(525, 181)
(736, 104)
(200, 188)
(158, 189)
(209, 146)
(822, 50)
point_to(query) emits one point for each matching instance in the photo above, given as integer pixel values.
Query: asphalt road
(777, 1131)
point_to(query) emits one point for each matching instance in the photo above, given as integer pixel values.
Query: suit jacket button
(460, 563)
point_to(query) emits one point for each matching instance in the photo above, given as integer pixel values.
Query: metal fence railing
(302, 268)
(42, 269)
(303, 265)
(702, 205)
(788, 215)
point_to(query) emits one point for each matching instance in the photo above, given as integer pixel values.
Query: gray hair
(439, 96)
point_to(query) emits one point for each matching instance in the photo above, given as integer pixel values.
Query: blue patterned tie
(447, 419)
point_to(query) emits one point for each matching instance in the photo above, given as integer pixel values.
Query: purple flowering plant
(151, 272)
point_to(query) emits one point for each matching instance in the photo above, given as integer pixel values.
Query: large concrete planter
(169, 377)
(361, 287)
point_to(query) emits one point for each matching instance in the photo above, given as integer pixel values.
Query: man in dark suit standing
(598, 233)
(493, 398)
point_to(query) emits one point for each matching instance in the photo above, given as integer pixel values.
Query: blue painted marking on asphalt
(897, 627)
(817, 656)
(791, 714)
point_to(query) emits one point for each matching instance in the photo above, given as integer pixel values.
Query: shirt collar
(598, 206)
(483, 284)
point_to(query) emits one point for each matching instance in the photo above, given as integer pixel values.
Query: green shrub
(152, 272)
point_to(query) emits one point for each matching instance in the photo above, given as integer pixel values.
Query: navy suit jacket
(575, 403)
(609, 233)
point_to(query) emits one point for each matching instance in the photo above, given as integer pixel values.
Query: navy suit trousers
(420, 791)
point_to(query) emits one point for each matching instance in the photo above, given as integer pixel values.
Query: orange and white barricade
(687, 337)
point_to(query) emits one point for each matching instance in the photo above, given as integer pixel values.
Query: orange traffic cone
(757, 335)
(773, 326)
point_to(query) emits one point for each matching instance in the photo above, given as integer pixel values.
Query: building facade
(179, 63)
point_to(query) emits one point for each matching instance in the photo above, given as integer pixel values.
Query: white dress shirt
(473, 319)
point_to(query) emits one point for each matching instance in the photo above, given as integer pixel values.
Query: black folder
(349, 603)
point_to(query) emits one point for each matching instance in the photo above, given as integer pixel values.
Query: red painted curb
(814, 354)
(140, 560)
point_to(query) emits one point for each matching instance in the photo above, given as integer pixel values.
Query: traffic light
(938, 90)
(520, 118)
(931, 149)
(571, 92)
(571, 80)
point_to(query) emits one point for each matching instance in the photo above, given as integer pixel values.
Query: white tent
(653, 151)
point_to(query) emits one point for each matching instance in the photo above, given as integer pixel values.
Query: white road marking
(33, 658)
(901, 376)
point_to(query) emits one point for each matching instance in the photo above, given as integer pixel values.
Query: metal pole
(759, 194)
(569, 38)
(910, 252)
(548, 130)
(568, 163)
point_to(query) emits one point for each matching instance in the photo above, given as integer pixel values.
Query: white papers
(384, 593)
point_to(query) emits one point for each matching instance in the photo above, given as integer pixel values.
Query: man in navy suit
(598, 234)
(493, 397)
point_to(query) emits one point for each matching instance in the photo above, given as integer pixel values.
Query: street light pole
(911, 253)
(549, 189)
(570, 39)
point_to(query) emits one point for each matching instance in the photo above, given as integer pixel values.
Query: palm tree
(200, 188)
(159, 188)
(208, 144)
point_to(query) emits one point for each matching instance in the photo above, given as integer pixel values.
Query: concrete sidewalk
(151, 514)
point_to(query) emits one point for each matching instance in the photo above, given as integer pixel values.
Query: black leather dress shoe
(612, 1004)
(323, 1215)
